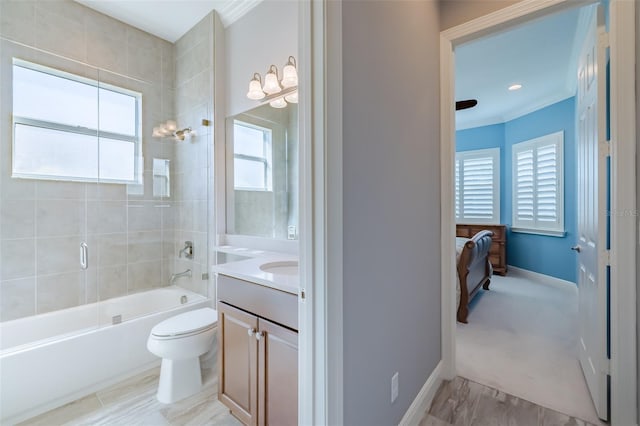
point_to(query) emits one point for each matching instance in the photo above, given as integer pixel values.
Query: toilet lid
(186, 323)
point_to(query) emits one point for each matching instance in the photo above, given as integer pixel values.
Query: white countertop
(249, 270)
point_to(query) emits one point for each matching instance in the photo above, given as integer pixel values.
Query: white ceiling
(541, 55)
(170, 19)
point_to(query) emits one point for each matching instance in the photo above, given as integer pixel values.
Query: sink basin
(287, 267)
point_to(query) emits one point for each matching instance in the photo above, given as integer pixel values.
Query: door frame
(623, 185)
(320, 312)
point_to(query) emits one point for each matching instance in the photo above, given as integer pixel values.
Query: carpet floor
(522, 338)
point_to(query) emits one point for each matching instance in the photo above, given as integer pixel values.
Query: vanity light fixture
(290, 73)
(271, 84)
(278, 103)
(169, 128)
(277, 92)
(255, 88)
(292, 98)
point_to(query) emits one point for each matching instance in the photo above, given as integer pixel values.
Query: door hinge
(606, 367)
(606, 256)
(302, 294)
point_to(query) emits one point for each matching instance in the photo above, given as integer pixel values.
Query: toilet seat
(186, 324)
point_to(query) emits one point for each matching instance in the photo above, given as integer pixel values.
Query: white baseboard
(538, 276)
(424, 398)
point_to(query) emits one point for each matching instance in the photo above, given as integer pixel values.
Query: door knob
(576, 248)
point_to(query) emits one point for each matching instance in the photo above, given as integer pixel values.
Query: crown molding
(515, 114)
(232, 10)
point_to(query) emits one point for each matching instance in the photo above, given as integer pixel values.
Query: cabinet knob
(251, 331)
(259, 335)
(576, 248)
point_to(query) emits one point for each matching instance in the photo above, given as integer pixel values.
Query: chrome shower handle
(84, 255)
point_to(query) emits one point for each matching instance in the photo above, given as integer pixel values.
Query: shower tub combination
(51, 359)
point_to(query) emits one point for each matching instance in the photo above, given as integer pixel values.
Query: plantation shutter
(547, 184)
(478, 186)
(525, 187)
(538, 184)
(457, 188)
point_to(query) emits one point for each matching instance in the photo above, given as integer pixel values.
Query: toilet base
(179, 379)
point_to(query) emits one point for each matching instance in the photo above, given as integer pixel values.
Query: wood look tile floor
(461, 402)
(133, 402)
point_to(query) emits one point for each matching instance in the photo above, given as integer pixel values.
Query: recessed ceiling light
(515, 87)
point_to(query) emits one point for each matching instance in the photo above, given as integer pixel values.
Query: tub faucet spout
(174, 277)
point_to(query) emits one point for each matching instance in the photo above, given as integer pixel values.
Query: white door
(591, 247)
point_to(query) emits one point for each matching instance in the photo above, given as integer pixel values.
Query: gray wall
(456, 12)
(266, 35)
(638, 192)
(391, 205)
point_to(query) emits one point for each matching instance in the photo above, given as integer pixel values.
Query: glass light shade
(157, 132)
(278, 103)
(165, 132)
(271, 84)
(292, 98)
(170, 125)
(289, 75)
(255, 91)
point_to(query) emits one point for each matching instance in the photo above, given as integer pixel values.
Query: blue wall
(546, 255)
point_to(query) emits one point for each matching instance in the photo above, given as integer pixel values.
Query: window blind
(538, 184)
(477, 186)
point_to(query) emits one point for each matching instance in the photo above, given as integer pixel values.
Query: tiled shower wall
(194, 102)
(131, 234)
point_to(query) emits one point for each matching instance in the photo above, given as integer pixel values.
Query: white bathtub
(50, 359)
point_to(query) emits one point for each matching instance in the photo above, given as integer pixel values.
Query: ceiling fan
(468, 103)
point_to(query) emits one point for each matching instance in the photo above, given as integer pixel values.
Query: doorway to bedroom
(517, 176)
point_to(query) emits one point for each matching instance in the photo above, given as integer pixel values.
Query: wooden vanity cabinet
(238, 362)
(258, 360)
(277, 375)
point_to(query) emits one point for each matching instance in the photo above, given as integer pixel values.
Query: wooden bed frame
(474, 270)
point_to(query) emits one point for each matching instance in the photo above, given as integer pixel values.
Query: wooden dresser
(498, 251)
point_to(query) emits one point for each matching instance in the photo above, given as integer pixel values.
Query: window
(477, 186)
(252, 157)
(67, 127)
(538, 185)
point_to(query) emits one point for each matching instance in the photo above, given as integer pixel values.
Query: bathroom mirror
(262, 173)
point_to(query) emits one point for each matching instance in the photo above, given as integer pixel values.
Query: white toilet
(179, 341)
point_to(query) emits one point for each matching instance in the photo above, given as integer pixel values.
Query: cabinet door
(278, 375)
(238, 362)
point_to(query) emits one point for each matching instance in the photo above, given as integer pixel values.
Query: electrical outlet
(394, 387)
